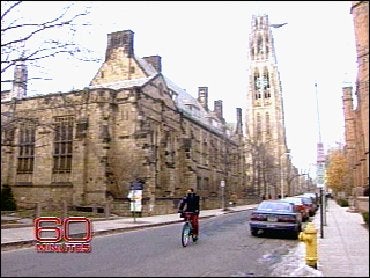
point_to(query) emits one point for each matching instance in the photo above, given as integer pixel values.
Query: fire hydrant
(309, 237)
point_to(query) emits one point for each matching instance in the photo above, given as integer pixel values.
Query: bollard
(309, 237)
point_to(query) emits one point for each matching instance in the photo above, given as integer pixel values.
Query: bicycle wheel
(186, 233)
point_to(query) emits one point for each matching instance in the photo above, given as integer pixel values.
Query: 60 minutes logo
(62, 242)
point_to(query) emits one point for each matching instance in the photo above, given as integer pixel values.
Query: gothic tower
(265, 129)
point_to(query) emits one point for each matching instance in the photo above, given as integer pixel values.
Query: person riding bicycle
(191, 204)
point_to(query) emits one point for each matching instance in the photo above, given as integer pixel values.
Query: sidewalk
(344, 249)
(342, 252)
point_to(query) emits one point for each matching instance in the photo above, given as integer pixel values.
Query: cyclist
(191, 204)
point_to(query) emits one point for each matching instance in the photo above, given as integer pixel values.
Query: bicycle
(187, 229)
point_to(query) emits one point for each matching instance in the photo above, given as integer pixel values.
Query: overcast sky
(206, 44)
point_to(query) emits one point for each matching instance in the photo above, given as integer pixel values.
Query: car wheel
(254, 231)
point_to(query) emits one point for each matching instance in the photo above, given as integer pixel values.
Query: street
(225, 248)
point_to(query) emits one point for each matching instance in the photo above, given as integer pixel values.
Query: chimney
(118, 39)
(20, 80)
(239, 122)
(218, 109)
(203, 97)
(155, 61)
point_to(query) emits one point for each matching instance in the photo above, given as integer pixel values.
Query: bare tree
(263, 167)
(32, 39)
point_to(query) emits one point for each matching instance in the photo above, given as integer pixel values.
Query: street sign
(222, 184)
(136, 197)
(320, 185)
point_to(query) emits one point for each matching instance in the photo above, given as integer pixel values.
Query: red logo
(61, 239)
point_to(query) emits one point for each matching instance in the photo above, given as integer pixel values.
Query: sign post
(135, 196)
(321, 183)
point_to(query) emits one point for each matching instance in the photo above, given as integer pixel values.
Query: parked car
(314, 197)
(298, 203)
(307, 201)
(275, 215)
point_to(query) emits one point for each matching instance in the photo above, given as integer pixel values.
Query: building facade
(357, 116)
(86, 147)
(267, 154)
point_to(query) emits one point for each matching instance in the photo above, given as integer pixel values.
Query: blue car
(275, 215)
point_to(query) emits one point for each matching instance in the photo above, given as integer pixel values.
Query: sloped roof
(184, 101)
(192, 108)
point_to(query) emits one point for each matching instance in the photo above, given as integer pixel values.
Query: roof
(185, 102)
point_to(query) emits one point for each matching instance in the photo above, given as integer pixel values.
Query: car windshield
(270, 206)
(297, 201)
(306, 200)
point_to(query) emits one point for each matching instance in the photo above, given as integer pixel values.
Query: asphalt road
(225, 248)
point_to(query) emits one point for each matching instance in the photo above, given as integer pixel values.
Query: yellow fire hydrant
(309, 237)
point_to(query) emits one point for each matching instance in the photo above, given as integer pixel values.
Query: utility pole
(222, 185)
(320, 169)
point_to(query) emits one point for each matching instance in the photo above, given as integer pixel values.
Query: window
(7, 135)
(81, 128)
(259, 45)
(266, 82)
(206, 183)
(63, 139)
(255, 80)
(26, 149)
(199, 183)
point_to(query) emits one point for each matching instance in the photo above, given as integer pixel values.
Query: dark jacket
(190, 202)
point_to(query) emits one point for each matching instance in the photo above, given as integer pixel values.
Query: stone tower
(265, 129)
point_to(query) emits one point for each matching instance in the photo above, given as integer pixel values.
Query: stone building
(268, 162)
(87, 146)
(357, 118)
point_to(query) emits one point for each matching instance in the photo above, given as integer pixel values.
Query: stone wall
(362, 204)
(126, 125)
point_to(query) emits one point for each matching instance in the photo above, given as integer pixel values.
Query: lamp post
(226, 170)
(222, 185)
(320, 168)
(282, 176)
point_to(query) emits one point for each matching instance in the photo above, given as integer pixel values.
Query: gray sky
(206, 44)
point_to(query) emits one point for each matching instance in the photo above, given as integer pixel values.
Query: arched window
(259, 44)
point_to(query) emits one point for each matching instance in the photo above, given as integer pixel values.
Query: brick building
(357, 116)
(85, 147)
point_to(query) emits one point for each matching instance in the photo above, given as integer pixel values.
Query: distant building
(87, 146)
(268, 165)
